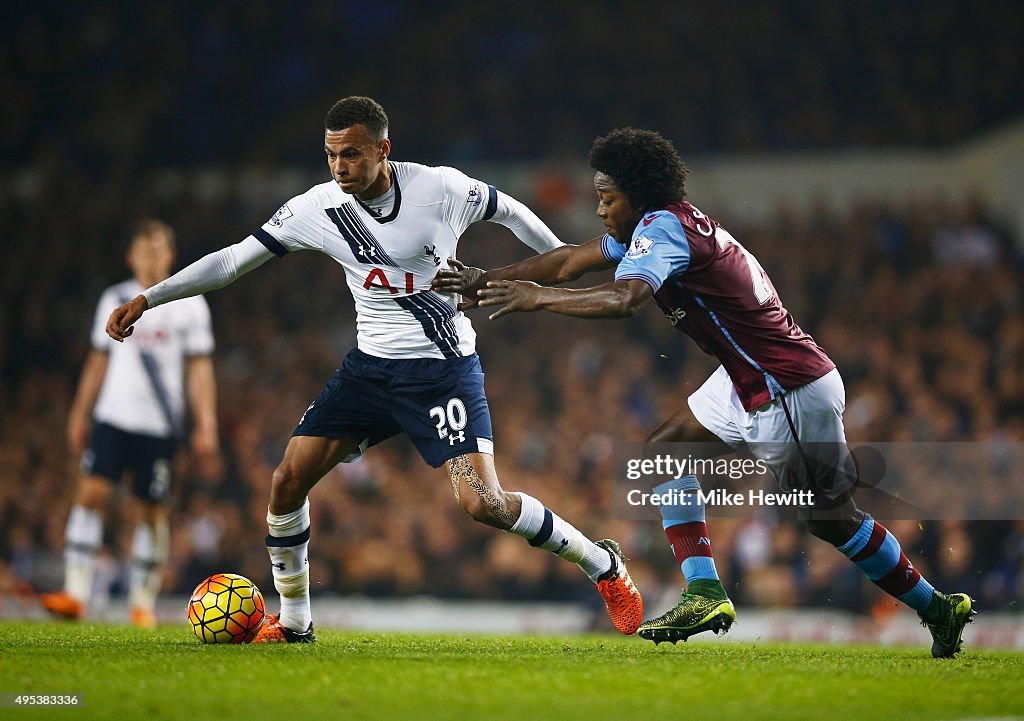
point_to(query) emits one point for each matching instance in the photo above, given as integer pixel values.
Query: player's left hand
(513, 295)
(205, 441)
(206, 447)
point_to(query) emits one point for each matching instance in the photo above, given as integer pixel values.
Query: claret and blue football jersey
(711, 288)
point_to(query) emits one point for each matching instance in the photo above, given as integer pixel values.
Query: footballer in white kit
(143, 391)
(415, 370)
(128, 418)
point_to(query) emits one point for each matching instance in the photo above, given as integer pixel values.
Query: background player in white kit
(415, 370)
(130, 406)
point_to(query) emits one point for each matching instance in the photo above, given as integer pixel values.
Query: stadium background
(209, 118)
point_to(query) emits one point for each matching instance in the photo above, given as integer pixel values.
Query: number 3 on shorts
(452, 418)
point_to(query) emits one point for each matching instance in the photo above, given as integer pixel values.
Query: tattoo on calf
(460, 468)
(454, 477)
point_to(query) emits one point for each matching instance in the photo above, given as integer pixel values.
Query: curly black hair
(644, 164)
(358, 110)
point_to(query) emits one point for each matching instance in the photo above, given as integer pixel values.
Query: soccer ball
(226, 608)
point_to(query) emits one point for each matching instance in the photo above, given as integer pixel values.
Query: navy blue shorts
(439, 403)
(112, 451)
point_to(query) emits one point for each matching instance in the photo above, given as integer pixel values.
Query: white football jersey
(390, 260)
(143, 390)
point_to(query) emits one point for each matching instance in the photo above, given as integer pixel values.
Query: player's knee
(93, 492)
(835, 522)
(834, 531)
(488, 507)
(152, 513)
(289, 486)
(667, 432)
(474, 505)
(680, 429)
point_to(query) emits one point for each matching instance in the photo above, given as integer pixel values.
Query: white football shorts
(817, 413)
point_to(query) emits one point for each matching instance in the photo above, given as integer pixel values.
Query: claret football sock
(288, 545)
(82, 538)
(878, 554)
(683, 520)
(544, 529)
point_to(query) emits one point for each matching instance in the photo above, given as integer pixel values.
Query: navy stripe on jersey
(446, 311)
(364, 246)
(163, 398)
(152, 368)
(492, 202)
(269, 242)
(441, 308)
(437, 319)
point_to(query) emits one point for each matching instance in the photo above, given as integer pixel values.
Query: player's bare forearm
(202, 396)
(621, 299)
(561, 265)
(123, 317)
(85, 398)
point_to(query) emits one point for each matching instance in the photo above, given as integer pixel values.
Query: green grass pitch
(125, 673)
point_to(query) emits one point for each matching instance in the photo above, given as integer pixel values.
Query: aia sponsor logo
(149, 338)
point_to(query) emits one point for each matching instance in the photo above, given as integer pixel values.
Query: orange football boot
(620, 594)
(274, 632)
(143, 618)
(63, 605)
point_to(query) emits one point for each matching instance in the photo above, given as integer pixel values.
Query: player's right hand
(461, 279)
(119, 325)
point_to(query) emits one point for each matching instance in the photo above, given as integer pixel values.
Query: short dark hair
(148, 227)
(644, 165)
(358, 110)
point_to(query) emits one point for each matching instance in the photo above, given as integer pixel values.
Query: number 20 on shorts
(451, 420)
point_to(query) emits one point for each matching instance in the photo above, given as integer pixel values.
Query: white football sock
(288, 544)
(544, 529)
(82, 537)
(150, 547)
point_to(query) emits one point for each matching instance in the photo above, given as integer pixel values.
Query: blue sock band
(860, 539)
(919, 596)
(696, 567)
(677, 512)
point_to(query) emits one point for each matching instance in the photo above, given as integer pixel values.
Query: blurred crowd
(114, 84)
(919, 304)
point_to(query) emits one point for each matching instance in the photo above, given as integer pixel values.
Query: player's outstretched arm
(619, 299)
(561, 265)
(210, 272)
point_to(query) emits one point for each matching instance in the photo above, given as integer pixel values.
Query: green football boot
(946, 618)
(695, 614)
